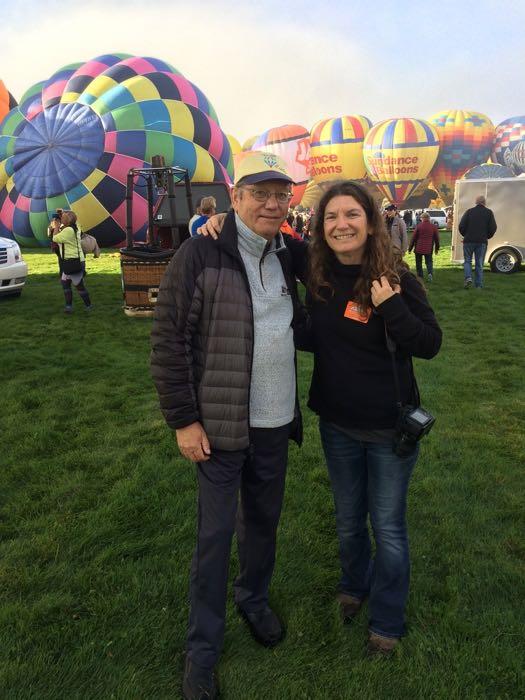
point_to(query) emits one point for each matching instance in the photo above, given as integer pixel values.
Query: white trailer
(506, 198)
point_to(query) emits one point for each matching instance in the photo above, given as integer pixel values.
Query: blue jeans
(478, 250)
(369, 479)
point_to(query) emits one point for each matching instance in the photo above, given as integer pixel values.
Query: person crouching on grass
(73, 263)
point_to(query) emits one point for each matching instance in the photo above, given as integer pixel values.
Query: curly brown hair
(379, 258)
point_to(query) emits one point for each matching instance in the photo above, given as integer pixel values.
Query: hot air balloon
(247, 145)
(292, 143)
(508, 148)
(465, 141)
(73, 139)
(7, 101)
(235, 146)
(399, 154)
(488, 171)
(312, 195)
(336, 148)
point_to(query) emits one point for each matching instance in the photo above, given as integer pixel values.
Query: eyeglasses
(265, 195)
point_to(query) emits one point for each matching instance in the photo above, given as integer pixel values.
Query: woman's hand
(381, 291)
(213, 226)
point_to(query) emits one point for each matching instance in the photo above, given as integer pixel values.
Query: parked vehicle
(13, 269)
(506, 198)
(437, 217)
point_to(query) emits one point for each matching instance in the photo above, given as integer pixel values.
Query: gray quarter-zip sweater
(272, 387)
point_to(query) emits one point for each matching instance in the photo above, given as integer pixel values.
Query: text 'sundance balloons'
(7, 101)
(399, 154)
(336, 148)
(465, 141)
(509, 144)
(292, 143)
(75, 136)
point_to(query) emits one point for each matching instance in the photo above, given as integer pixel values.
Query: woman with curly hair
(359, 290)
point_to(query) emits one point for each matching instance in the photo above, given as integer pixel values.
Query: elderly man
(477, 225)
(396, 228)
(223, 361)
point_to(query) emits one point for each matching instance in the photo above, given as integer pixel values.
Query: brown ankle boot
(378, 645)
(349, 606)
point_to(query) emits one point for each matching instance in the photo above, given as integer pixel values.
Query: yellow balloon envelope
(336, 148)
(246, 146)
(399, 154)
(234, 144)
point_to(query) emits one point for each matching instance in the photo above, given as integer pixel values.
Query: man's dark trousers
(259, 473)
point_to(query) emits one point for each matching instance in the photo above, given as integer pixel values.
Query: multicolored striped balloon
(292, 143)
(509, 144)
(466, 140)
(336, 148)
(399, 154)
(75, 136)
(7, 101)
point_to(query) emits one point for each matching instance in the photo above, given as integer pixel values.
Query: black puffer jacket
(202, 339)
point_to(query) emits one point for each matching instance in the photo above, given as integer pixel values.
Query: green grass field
(97, 516)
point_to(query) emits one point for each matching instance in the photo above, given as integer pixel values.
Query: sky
(274, 62)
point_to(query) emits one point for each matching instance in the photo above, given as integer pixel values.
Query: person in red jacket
(425, 239)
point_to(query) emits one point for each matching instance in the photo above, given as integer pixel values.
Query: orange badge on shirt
(354, 312)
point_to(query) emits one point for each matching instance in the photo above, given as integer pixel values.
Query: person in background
(207, 208)
(73, 261)
(397, 229)
(476, 226)
(407, 218)
(196, 215)
(425, 240)
(299, 223)
(54, 227)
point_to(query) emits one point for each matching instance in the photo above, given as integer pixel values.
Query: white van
(13, 269)
(438, 217)
(506, 198)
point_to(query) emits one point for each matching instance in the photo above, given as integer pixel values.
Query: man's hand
(193, 442)
(213, 226)
(381, 291)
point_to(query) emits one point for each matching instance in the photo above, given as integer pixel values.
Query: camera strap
(391, 346)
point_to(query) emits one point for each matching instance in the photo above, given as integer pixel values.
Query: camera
(413, 423)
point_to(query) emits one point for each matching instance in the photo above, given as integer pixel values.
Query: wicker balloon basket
(142, 271)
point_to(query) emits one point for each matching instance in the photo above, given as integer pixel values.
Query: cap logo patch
(270, 160)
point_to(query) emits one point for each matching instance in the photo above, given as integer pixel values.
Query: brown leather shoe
(378, 645)
(349, 606)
